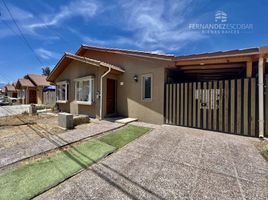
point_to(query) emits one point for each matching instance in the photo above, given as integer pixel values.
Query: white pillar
(261, 97)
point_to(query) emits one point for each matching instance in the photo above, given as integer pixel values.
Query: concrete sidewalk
(50, 142)
(13, 110)
(173, 163)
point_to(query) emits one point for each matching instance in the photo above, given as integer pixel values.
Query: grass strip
(38, 176)
(265, 154)
(123, 136)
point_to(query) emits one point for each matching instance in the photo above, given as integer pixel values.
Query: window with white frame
(84, 89)
(62, 93)
(147, 83)
(21, 94)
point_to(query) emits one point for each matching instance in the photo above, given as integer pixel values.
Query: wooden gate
(225, 105)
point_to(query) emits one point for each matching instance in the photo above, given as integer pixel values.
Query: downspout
(261, 97)
(101, 83)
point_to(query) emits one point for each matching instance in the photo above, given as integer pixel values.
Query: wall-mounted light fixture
(135, 77)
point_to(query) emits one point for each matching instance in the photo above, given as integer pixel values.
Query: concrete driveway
(13, 110)
(174, 163)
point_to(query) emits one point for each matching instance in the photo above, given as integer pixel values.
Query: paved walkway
(49, 142)
(13, 110)
(174, 163)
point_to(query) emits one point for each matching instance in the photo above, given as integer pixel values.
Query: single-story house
(40, 82)
(3, 91)
(26, 91)
(31, 88)
(221, 91)
(11, 91)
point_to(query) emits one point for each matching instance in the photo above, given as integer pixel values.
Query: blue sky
(53, 27)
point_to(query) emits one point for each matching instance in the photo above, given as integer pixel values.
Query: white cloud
(159, 24)
(17, 13)
(83, 8)
(31, 24)
(46, 54)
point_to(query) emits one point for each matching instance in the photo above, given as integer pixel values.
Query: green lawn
(123, 136)
(31, 179)
(262, 147)
(265, 154)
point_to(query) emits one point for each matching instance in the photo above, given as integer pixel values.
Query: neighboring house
(11, 91)
(26, 91)
(2, 91)
(32, 89)
(208, 91)
(40, 82)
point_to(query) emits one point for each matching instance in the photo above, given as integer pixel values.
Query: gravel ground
(43, 140)
(22, 129)
(174, 163)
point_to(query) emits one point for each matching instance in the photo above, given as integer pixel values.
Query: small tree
(46, 71)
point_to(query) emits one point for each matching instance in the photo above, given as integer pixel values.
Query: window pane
(147, 87)
(61, 92)
(85, 91)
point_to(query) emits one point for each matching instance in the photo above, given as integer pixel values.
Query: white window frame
(65, 83)
(91, 98)
(143, 87)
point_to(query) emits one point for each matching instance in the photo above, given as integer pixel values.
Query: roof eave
(128, 52)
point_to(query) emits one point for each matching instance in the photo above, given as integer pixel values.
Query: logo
(220, 16)
(220, 26)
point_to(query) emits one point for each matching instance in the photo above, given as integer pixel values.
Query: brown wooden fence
(226, 105)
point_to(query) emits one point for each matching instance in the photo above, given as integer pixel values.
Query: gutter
(261, 97)
(101, 89)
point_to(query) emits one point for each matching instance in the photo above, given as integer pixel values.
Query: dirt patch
(15, 130)
(262, 145)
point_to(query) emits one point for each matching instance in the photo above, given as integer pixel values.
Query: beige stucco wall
(77, 70)
(129, 92)
(129, 95)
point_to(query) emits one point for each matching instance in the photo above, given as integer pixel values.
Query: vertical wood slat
(194, 104)
(167, 104)
(221, 106)
(245, 107)
(185, 104)
(215, 105)
(266, 105)
(232, 103)
(209, 104)
(178, 105)
(238, 106)
(204, 105)
(226, 105)
(182, 104)
(174, 104)
(170, 104)
(198, 105)
(252, 106)
(190, 105)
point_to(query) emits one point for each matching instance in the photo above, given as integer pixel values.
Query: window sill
(84, 103)
(61, 101)
(147, 100)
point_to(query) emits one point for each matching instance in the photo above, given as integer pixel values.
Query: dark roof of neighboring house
(147, 54)
(221, 54)
(10, 88)
(67, 58)
(38, 80)
(24, 82)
